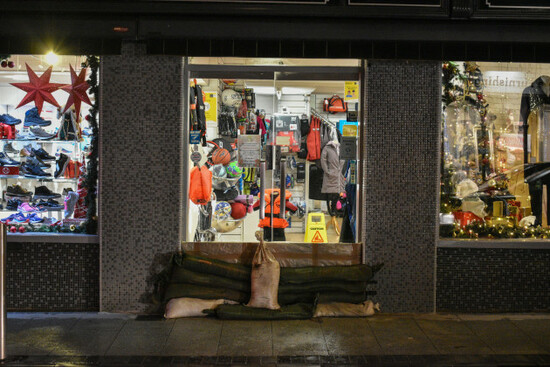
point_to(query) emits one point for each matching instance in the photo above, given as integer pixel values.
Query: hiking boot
(33, 171)
(42, 192)
(9, 120)
(42, 154)
(8, 148)
(41, 134)
(61, 165)
(7, 161)
(16, 190)
(32, 118)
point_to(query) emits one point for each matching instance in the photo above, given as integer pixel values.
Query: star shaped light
(39, 89)
(77, 90)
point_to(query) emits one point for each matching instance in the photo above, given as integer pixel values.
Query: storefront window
(273, 137)
(46, 133)
(495, 161)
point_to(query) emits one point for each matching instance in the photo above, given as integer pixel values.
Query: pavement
(100, 339)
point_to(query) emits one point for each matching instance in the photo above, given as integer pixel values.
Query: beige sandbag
(337, 309)
(264, 279)
(191, 307)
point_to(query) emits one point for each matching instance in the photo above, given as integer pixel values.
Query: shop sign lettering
(505, 81)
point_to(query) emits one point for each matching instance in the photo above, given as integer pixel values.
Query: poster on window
(351, 94)
(249, 150)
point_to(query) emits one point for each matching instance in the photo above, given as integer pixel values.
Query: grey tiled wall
(401, 162)
(141, 122)
(493, 280)
(52, 276)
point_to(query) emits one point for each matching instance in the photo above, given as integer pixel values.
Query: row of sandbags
(195, 277)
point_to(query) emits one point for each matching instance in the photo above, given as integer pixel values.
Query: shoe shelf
(44, 179)
(52, 141)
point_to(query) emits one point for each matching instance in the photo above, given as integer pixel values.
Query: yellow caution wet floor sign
(316, 230)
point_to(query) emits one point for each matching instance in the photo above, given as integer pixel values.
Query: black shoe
(13, 204)
(42, 192)
(42, 154)
(38, 162)
(16, 190)
(34, 171)
(61, 164)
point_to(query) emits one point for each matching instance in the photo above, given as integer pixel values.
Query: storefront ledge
(506, 243)
(53, 237)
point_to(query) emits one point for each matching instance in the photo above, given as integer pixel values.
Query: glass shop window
(276, 156)
(495, 162)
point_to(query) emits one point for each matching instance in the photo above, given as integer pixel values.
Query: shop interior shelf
(39, 141)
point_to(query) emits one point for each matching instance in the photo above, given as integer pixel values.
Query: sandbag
(190, 307)
(264, 279)
(307, 274)
(340, 309)
(300, 311)
(212, 266)
(179, 290)
(182, 275)
(327, 297)
(328, 286)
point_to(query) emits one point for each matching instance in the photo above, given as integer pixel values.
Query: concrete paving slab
(349, 336)
(400, 336)
(452, 337)
(85, 344)
(148, 327)
(246, 339)
(194, 336)
(503, 337)
(298, 337)
(151, 344)
(537, 330)
(98, 325)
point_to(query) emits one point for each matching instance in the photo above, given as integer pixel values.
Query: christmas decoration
(90, 182)
(77, 90)
(39, 89)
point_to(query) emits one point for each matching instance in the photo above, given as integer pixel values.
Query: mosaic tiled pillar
(141, 127)
(401, 165)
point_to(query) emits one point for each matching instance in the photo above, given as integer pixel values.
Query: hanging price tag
(194, 137)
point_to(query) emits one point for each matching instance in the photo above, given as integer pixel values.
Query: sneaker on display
(42, 154)
(50, 205)
(16, 190)
(33, 171)
(9, 120)
(32, 118)
(34, 218)
(7, 161)
(70, 202)
(61, 165)
(8, 148)
(25, 152)
(38, 162)
(41, 134)
(27, 208)
(13, 204)
(42, 192)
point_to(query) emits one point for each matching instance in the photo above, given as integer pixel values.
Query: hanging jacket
(276, 221)
(532, 98)
(314, 140)
(333, 180)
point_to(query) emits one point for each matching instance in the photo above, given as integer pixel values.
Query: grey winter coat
(333, 180)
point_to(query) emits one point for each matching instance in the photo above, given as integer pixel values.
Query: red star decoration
(77, 90)
(38, 89)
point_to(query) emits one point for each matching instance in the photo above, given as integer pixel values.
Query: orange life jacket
(314, 140)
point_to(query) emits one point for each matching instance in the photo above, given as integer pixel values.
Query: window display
(262, 141)
(495, 150)
(46, 146)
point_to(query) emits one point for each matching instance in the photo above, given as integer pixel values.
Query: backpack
(334, 104)
(200, 185)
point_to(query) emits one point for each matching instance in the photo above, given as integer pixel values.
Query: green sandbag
(327, 297)
(212, 266)
(178, 290)
(182, 275)
(329, 286)
(299, 311)
(351, 273)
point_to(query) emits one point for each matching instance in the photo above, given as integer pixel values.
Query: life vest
(276, 207)
(200, 185)
(314, 140)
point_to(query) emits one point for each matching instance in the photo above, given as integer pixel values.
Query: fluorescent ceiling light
(264, 90)
(293, 90)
